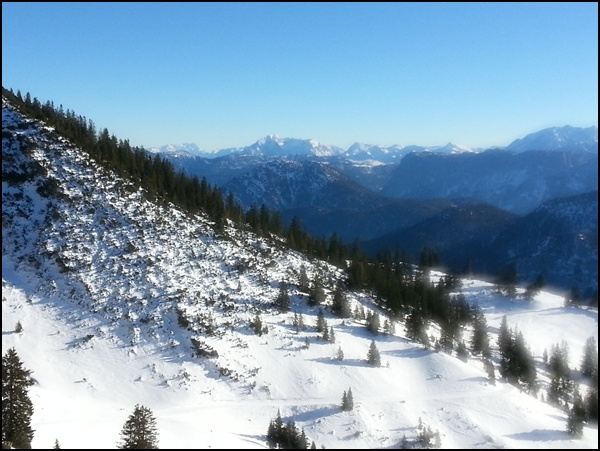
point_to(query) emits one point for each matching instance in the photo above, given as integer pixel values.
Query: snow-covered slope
(113, 291)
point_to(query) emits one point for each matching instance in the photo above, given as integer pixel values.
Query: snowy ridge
(111, 289)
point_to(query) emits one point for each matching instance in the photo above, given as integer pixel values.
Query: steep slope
(126, 301)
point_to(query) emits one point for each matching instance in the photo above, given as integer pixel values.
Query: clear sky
(227, 74)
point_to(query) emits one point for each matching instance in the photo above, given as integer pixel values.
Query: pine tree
(480, 342)
(415, 327)
(576, 416)
(56, 445)
(256, 325)
(139, 431)
(507, 281)
(17, 407)
(373, 357)
(331, 335)
(534, 288)
(316, 295)
(591, 404)
(504, 338)
(339, 354)
(561, 382)
(340, 305)
(589, 361)
(283, 298)
(303, 282)
(301, 324)
(320, 321)
(347, 400)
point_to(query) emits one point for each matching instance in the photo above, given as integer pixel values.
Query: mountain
(326, 200)
(382, 154)
(284, 184)
(276, 146)
(558, 138)
(449, 232)
(558, 240)
(125, 301)
(517, 182)
(179, 150)
(393, 154)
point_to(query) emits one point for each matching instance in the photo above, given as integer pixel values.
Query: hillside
(119, 295)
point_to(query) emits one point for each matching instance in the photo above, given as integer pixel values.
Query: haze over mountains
(125, 299)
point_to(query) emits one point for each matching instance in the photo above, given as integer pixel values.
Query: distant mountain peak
(183, 150)
(557, 138)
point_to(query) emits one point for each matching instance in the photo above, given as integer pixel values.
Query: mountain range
(380, 195)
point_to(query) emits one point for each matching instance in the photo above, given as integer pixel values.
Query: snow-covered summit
(558, 138)
(181, 150)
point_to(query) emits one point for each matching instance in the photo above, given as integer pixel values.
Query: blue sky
(227, 74)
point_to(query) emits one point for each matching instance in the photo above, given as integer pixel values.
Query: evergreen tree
(316, 294)
(448, 333)
(373, 323)
(320, 321)
(534, 288)
(339, 354)
(591, 404)
(504, 338)
(256, 325)
(373, 356)
(331, 335)
(576, 416)
(325, 331)
(589, 360)
(340, 305)
(359, 312)
(139, 431)
(56, 445)
(296, 322)
(275, 431)
(347, 400)
(283, 298)
(17, 407)
(301, 324)
(507, 281)
(303, 282)
(480, 342)
(561, 382)
(415, 327)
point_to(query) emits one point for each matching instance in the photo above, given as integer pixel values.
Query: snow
(103, 334)
(85, 391)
